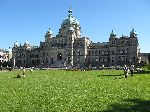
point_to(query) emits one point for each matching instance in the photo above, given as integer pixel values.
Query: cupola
(48, 35)
(16, 44)
(112, 34)
(133, 33)
(26, 44)
(70, 19)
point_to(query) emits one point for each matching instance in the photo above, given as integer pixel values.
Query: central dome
(70, 19)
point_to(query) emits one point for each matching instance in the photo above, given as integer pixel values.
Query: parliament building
(69, 48)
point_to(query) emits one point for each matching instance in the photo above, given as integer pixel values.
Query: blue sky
(22, 20)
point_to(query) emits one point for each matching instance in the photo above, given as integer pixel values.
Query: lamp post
(78, 59)
(14, 61)
(96, 61)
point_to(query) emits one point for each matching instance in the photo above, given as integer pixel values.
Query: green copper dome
(26, 43)
(70, 19)
(133, 31)
(112, 33)
(49, 31)
(16, 44)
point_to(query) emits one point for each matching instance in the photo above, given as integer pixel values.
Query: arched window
(96, 53)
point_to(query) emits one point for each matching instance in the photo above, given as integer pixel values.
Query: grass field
(74, 91)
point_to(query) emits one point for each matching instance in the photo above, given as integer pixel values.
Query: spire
(49, 29)
(70, 8)
(112, 31)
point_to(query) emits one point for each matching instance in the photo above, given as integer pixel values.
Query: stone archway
(59, 57)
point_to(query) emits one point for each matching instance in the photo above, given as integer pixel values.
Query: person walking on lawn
(131, 70)
(126, 71)
(23, 72)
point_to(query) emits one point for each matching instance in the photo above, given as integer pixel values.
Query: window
(52, 61)
(78, 52)
(99, 52)
(113, 52)
(46, 60)
(89, 53)
(96, 53)
(113, 59)
(52, 45)
(100, 59)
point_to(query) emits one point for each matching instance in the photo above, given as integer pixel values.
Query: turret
(16, 44)
(133, 37)
(26, 45)
(48, 35)
(112, 34)
(112, 39)
(133, 33)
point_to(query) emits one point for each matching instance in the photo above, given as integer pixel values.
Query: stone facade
(69, 48)
(145, 57)
(5, 56)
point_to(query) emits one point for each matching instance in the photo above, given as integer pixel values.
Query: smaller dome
(49, 31)
(133, 31)
(16, 44)
(9, 49)
(123, 35)
(112, 33)
(26, 43)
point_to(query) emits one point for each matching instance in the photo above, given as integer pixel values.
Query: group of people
(127, 69)
(24, 72)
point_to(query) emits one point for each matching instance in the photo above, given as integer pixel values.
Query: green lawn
(74, 91)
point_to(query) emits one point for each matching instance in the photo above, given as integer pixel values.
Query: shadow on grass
(138, 105)
(110, 75)
(142, 72)
(137, 73)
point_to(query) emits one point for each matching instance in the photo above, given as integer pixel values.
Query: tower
(133, 33)
(134, 47)
(112, 39)
(48, 35)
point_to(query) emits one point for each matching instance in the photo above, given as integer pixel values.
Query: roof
(2, 50)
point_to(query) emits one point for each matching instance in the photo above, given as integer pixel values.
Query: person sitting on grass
(18, 76)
